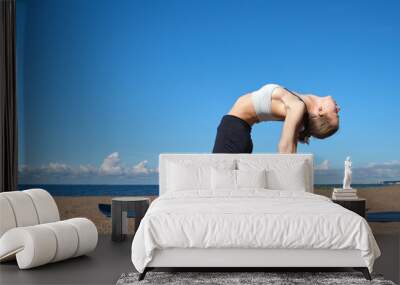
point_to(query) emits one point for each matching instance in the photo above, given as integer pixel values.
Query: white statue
(347, 173)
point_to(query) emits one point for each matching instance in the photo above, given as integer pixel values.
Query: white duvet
(250, 219)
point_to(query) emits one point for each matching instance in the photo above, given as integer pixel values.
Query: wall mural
(104, 89)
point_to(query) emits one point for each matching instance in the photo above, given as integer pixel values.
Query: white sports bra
(262, 102)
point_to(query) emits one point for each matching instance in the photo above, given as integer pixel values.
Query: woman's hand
(287, 148)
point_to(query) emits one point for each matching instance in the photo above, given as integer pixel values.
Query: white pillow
(193, 175)
(227, 179)
(251, 178)
(186, 177)
(281, 174)
(293, 179)
(223, 179)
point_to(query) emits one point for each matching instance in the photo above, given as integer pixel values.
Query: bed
(247, 210)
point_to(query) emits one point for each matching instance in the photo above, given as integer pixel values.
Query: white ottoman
(24, 236)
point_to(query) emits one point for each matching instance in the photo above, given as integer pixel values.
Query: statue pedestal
(344, 194)
(344, 190)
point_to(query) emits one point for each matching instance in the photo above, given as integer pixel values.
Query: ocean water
(95, 190)
(129, 190)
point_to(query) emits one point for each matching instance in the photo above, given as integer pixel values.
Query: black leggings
(233, 136)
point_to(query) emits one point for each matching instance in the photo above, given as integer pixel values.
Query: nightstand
(121, 209)
(358, 206)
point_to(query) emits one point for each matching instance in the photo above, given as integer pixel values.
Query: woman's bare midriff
(244, 109)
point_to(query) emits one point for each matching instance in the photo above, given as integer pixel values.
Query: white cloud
(57, 168)
(389, 170)
(391, 163)
(324, 165)
(140, 168)
(373, 172)
(23, 168)
(111, 165)
(87, 169)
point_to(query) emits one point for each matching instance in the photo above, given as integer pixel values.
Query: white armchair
(31, 230)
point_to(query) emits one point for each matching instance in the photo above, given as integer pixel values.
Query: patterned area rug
(231, 278)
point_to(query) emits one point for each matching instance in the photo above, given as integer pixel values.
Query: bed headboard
(273, 158)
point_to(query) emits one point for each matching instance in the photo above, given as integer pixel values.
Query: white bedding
(250, 219)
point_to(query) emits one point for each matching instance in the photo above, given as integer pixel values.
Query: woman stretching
(303, 116)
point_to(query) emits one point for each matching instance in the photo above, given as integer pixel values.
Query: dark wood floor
(110, 260)
(103, 266)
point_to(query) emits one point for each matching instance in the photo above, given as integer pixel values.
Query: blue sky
(103, 85)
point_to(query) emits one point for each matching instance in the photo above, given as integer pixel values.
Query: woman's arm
(294, 113)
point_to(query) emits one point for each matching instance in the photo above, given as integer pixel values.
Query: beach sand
(378, 199)
(87, 206)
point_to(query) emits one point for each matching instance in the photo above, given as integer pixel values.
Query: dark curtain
(8, 108)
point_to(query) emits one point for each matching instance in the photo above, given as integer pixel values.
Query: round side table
(121, 209)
